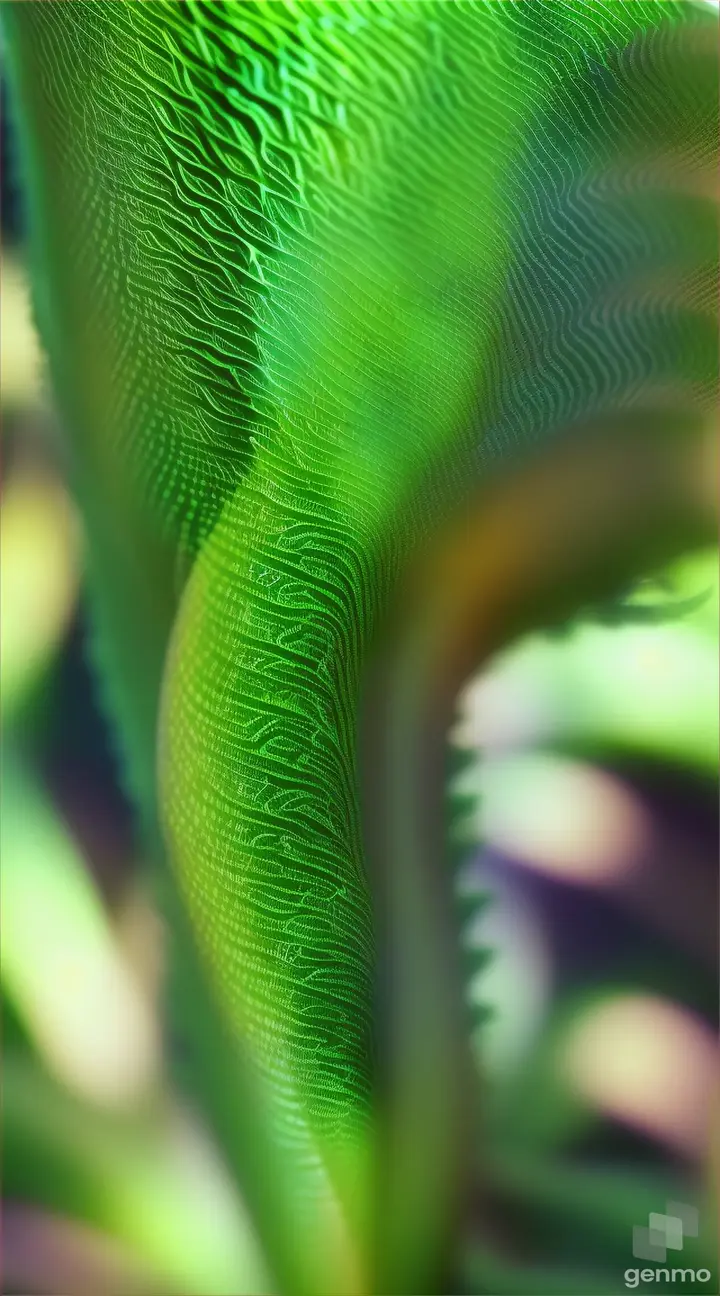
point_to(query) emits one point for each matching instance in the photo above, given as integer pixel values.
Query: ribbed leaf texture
(303, 270)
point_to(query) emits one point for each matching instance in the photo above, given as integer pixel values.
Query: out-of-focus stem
(605, 503)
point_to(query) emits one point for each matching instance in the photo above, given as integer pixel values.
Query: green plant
(382, 333)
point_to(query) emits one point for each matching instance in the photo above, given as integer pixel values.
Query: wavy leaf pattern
(304, 271)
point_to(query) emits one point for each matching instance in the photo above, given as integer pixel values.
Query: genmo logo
(665, 1233)
(635, 1276)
